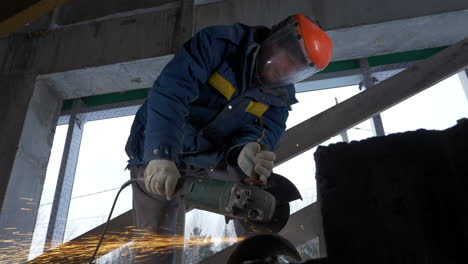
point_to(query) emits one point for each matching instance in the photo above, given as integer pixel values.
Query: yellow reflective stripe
(222, 85)
(256, 108)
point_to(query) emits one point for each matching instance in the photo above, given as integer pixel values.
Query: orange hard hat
(317, 43)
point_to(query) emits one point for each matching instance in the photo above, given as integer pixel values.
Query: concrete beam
(124, 39)
(332, 14)
(108, 42)
(398, 36)
(350, 43)
(106, 79)
(83, 10)
(387, 93)
(24, 12)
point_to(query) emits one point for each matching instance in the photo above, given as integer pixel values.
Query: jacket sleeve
(171, 93)
(267, 130)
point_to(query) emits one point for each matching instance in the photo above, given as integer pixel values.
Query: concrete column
(28, 116)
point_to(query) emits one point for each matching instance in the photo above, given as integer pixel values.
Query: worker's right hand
(161, 177)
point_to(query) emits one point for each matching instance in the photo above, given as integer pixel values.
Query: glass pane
(438, 107)
(48, 191)
(99, 174)
(301, 169)
(315, 102)
(209, 227)
(361, 131)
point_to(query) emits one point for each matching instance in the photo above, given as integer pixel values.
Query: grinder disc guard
(284, 192)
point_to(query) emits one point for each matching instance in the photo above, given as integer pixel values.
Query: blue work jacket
(203, 106)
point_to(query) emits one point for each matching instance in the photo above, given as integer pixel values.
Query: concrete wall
(87, 45)
(28, 115)
(31, 155)
(16, 94)
(148, 35)
(79, 10)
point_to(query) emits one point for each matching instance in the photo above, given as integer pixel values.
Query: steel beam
(66, 178)
(383, 95)
(368, 83)
(305, 225)
(344, 134)
(464, 81)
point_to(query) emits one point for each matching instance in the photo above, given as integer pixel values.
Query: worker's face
(276, 66)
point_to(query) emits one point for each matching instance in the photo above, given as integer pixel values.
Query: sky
(100, 170)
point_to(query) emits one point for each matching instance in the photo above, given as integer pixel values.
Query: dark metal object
(263, 249)
(396, 199)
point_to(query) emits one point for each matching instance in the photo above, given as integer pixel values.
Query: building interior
(73, 74)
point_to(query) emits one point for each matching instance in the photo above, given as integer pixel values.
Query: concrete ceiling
(99, 48)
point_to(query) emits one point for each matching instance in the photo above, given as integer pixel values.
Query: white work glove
(161, 177)
(255, 162)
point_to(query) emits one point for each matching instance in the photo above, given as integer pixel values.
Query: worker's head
(296, 49)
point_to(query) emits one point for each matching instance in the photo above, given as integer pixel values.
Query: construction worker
(226, 92)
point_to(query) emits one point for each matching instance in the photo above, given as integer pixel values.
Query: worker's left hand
(255, 162)
(161, 177)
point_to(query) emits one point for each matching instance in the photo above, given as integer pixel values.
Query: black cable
(109, 218)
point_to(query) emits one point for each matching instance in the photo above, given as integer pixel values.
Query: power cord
(109, 218)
